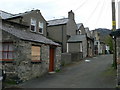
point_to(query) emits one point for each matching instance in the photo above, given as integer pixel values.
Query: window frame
(31, 24)
(36, 61)
(7, 51)
(40, 27)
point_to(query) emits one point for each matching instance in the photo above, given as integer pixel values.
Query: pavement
(96, 72)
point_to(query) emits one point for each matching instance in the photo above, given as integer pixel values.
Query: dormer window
(33, 25)
(41, 27)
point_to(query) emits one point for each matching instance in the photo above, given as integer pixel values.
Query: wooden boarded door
(51, 62)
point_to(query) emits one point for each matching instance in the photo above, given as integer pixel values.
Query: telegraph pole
(114, 38)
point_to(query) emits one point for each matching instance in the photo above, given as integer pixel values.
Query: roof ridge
(79, 23)
(7, 12)
(26, 12)
(57, 19)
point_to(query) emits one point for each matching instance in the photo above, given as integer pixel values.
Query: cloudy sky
(92, 13)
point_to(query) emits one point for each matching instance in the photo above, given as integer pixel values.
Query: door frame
(52, 58)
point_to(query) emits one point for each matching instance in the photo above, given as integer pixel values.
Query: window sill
(35, 61)
(7, 61)
(33, 31)
(40, 32)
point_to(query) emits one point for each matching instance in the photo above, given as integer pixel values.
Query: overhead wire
(80, 6)
(104, 8)
(88, 19)
(100, 13)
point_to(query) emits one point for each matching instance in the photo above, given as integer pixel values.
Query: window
(80, 32)
(35, 53)
(6, 52)
(97, 43)
(41, 27)
(33, 25)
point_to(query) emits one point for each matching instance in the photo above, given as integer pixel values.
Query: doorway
(51, 61)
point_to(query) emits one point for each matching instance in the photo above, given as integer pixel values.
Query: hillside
(103, 33)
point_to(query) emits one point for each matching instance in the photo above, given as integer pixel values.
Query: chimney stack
(71, 15)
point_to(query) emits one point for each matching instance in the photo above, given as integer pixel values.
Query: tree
(109, 42)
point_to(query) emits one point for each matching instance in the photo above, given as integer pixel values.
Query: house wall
(22, 68)
(82, 30)
(58, 34)
(118, 60)
(88, 32)
(90, 47)
(84, 43)
(73, 47)
(71, 27)
(97, 42)
(27, 70)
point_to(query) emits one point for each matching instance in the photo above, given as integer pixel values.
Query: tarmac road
(96, 73)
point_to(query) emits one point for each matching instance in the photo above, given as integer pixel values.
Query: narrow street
(97, 73)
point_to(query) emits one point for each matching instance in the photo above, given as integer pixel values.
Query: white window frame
(41, 26)
(33, 22)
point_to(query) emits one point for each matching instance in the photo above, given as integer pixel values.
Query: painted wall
(58, 34)
(74, 47)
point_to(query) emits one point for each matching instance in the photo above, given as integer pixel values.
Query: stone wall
(77, 56)
(66, 58)
(118, 60)
(58, 58)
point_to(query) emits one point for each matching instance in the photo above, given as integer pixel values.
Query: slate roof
(57, 22)
(77, 38)
(27, 35)
(19, 15)
(79, 25)
(5, 15)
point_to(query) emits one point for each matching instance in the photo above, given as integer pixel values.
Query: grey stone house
(86, 39)
(32, 18)
(90, 43)
(60, 30)
(80, 29)
(26, 52)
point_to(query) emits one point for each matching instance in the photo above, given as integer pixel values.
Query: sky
(92, 13)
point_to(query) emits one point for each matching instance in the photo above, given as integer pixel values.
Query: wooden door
(51, 62)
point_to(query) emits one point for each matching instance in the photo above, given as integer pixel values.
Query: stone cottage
(60, 30)
(81, 38)
(76, 45)
(85, 37)
(26, 52)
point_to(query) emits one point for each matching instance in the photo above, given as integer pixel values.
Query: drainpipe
(87, 45)
(62, 37)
